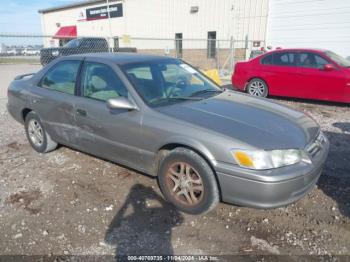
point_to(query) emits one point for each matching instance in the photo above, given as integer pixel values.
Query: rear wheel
(188, 182)
(38, 138)
(257, 87)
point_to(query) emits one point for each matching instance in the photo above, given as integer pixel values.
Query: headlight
(55, 53)
(260, 159)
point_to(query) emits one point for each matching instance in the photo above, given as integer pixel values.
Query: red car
(301, 73)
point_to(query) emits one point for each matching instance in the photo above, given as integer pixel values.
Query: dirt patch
(13, 145)
(26, 200)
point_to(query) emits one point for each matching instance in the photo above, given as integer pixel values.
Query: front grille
(317, 145)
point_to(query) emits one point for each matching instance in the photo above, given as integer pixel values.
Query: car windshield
(161, 83)
(338, 59)
(73, 43)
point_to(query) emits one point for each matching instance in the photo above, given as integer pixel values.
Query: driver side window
(100, 82)
(311, 60)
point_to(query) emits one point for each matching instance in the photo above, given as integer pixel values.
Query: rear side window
(311, 60)
(61, 77)
(284, 59)
(101, 43)
(94, 43)
(267, 60)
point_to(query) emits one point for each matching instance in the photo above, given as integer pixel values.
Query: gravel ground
(69, 203)
(9, 71)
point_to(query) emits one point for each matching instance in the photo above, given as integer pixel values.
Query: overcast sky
(21, 16)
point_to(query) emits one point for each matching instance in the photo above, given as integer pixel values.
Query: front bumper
(269, 188)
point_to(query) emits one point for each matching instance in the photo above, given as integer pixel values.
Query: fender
(191, 143)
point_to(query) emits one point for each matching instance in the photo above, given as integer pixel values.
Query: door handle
(34, 101)
(81, 112)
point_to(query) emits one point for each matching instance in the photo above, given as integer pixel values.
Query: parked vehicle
(300, 73)
(13, 51)
(164, 118)
(31, 52)
(81, 45)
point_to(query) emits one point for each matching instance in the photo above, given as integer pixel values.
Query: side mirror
(328, 67)
(120, 103)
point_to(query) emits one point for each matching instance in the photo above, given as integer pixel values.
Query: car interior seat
(100, 85)
(61, 80)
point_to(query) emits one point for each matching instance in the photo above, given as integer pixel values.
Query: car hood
(253, 121)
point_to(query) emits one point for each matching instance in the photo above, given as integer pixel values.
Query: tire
(257, 87)
(198, 181)
(40, 143)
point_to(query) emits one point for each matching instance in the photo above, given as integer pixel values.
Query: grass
(19, 60)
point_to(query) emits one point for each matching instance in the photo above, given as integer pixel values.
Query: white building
(161, 19)
(152, 25)
(310, 23)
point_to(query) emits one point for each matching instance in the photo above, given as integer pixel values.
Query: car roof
(319, 50)
(125, 58)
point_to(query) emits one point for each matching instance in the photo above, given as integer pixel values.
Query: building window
(178, 45)
(211, 50)
(115, 44)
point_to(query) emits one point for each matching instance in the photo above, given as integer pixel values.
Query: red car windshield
(338, 59)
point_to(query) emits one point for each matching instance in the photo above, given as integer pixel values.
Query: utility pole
(233, 37)
(109, 26)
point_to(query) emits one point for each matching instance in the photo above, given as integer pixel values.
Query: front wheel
(188, 182)
(257, 87)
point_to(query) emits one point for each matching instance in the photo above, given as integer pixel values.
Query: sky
(22, 17)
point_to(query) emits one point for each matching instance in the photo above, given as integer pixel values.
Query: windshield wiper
(206, 91)
(183, 98)
(176, 98)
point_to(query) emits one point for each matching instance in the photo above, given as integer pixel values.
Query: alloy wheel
(184, 184)
(35, 132)
(256, 88)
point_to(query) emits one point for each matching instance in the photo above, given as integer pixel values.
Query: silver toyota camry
(164, 118)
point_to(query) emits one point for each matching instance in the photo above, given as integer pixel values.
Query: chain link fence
(204, 54)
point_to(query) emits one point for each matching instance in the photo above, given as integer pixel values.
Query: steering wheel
(180, 84)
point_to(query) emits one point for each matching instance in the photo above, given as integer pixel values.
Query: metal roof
(76, 4)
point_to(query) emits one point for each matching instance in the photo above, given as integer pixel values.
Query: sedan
(300, 73)
(164, 118)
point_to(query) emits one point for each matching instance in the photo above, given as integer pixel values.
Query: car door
(53, 100)
(111, 134)
(317, 82)
(281, 73)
